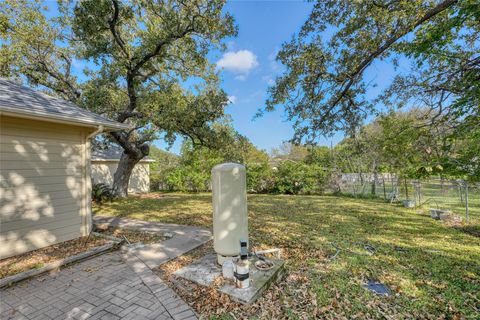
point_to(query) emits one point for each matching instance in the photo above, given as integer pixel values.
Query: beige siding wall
(43, 184)
(103, 171)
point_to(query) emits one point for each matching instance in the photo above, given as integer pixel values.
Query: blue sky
(248, 66)
(263, 27)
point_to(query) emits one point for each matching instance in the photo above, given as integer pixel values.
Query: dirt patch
(133, 236)
(38, 258)
(471, 230)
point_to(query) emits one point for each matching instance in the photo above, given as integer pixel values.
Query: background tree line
(397, 143)
(130, 61)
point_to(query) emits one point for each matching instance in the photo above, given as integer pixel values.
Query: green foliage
(260, 177)
(136, 57)
(175, 180)
(464, 161)
(431, 267)
(403, 143)
(300, 178)
(398, 143)
(164, 162)
(102, 192)
(320, 155)
(324, 87)
(192, 172)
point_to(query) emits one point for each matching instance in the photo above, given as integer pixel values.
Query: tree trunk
(122, 175)
(133, 152)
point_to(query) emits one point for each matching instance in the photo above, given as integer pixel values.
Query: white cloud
(269, 80)
(240, 62)
(241, 77)
(274, 64)
(232, 99)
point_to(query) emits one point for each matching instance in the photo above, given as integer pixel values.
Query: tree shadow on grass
(435, 264)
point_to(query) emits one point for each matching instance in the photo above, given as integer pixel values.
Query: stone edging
(106, 236)
(54, 265)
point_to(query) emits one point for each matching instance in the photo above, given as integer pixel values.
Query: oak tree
(324, 88)
(141, 62)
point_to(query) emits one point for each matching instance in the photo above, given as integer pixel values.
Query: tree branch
(135, 70)
(126, 115)
(389, 42)
(159, 47)
(113, 24)
(73, 94)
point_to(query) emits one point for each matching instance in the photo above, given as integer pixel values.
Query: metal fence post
(466, 201)
(420, 193)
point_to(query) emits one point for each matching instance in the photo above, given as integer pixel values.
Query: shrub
(299, 178)
(260, 178)
(102, 192)
(157, 182)
(197, 180)
(289, 177)
(175, 180)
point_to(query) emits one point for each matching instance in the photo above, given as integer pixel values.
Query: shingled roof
(20, 101)
(112, 154)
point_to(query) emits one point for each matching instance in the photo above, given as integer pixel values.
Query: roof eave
(117, 160)
(66, 120)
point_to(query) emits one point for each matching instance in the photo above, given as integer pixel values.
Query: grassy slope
(438, 275)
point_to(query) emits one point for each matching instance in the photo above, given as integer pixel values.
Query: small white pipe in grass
(274, 250)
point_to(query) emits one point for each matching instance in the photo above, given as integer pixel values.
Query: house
(105, 163)
(45, 185)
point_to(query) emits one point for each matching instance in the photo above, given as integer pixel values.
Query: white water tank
(229, 196)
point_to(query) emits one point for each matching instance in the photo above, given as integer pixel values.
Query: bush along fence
(288, 177)
(457, 197)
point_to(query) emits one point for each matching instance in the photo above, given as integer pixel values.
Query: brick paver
(116, 285)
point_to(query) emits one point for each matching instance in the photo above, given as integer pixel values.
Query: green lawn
(437, 272)
(432, 195)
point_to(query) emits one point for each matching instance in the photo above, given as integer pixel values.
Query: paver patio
(117, 285)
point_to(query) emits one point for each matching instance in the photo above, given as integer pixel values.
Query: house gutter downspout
(94, 133)
(88, 180)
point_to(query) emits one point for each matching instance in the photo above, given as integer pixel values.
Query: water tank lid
(228, 167)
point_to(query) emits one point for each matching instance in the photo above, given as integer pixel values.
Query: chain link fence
(455, 197)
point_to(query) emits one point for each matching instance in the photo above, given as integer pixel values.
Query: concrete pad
(439, 214)
(183, 239)
(156, 254)
(205, 270)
